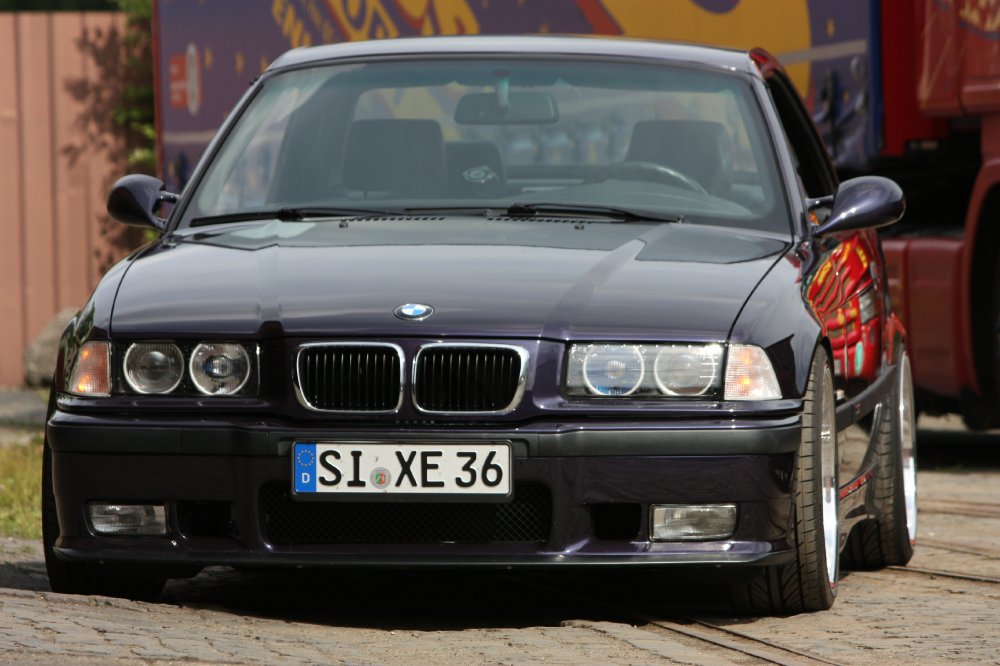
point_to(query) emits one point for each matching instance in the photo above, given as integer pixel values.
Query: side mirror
(867, 202)
(135, 200)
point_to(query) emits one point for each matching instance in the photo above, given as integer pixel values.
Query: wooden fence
(60, 81)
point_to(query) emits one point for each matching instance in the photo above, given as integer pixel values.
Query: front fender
(92, 322)
(779, 319)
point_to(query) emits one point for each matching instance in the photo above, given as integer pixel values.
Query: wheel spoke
(828, 467)
(907, 430)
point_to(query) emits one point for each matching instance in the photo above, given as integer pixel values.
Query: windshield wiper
(529, 210)
(285, 215)
(624, 214)
(451, 210)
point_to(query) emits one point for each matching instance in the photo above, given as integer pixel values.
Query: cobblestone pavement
(225, 616)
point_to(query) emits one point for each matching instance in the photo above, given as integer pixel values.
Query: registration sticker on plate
(350, 468)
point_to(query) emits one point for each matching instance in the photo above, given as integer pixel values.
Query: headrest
(698, 148)
(397, 156)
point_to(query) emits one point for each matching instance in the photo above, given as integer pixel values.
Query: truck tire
(809, 582)
(889, 539)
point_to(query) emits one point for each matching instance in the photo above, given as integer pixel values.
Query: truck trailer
(908, 89)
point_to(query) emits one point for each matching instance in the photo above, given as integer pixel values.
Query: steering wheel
(653, 173)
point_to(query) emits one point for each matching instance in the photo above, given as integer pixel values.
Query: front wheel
(809, 582)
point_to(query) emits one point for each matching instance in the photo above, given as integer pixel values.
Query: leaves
(20, 489)
(136, 109)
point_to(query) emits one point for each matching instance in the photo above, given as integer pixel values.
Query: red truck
(941, 73)
(909, 89)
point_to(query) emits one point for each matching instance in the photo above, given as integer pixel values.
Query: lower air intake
(525, 519)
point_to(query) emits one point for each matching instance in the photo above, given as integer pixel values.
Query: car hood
(506, 278)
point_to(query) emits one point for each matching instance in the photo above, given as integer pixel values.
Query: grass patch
(20, 489)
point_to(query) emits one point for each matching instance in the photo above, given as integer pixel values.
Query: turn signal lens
(749, 375)
(91, 376)
(219, 369)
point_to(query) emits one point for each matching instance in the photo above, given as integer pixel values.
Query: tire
(809, 582)
(889, 539)
(78, 578)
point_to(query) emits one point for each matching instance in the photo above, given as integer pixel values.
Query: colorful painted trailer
(904, 88)
(204, 63)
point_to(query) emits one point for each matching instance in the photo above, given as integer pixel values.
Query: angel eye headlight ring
(153, 367)
(613, 370)
(687, 370)
(219, 368)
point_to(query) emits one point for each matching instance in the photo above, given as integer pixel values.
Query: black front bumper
(223, 483)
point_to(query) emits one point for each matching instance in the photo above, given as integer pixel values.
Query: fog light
(692, 522)
(129, 519)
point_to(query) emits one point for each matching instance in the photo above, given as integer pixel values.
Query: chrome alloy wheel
(828, 472)
(907, 444)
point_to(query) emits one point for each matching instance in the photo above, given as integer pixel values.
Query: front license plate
(404, 468)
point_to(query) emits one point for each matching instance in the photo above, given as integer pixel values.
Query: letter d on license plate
(403, 468)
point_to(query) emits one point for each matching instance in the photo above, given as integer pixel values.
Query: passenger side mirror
(867, 202)
(135, 200)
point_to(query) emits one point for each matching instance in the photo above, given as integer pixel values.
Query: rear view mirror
(135, 200)
(866, 202)
(522, 108)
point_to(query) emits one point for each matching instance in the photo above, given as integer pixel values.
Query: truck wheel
(809, 582)
(75, 577)
(890, 538)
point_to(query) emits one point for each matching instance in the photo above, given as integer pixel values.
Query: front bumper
(226, 485)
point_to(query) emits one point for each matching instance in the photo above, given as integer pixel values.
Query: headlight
(220, 368)
(91, 371)
(643, 371)
(153, 367)
(687, 370)
(613, 369)
(749, 375)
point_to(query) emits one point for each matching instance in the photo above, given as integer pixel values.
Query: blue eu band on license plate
(475, 468)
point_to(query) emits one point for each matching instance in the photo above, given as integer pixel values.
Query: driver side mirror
(866, 202)
(135, 200)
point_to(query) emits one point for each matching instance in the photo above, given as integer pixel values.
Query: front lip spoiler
(486, 562)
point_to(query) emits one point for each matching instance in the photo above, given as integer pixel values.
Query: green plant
(136, 110)
(20, 489)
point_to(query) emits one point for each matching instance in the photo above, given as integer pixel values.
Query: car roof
(727, 59)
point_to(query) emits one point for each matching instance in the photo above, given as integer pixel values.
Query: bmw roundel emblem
(413, 311)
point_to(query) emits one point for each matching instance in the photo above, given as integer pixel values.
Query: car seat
(698, 148)
(395, 156)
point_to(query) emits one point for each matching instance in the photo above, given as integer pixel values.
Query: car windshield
(498, 136)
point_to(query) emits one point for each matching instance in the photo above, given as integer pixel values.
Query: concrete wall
(60, 81)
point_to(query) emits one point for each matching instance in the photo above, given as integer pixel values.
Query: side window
(815, 172)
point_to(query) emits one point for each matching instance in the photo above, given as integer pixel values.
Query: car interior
(447, 144)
